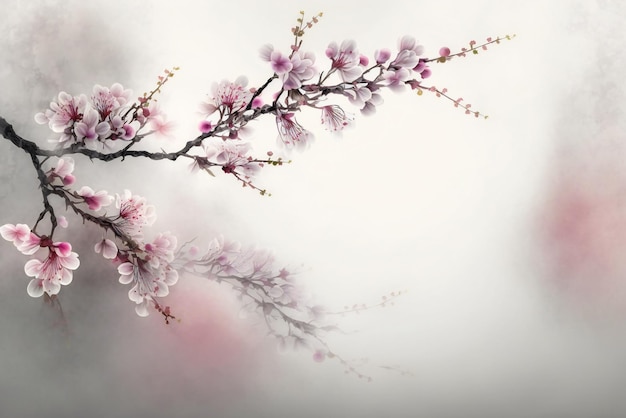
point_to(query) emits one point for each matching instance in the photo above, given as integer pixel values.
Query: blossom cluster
(49, 273)
(99, 120)
(90, 126)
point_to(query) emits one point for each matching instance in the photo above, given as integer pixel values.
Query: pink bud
(319, 356)
(444, 52)
(382, 55)
(205, 126)
(68, 180)
(257, 102)
(363, 60)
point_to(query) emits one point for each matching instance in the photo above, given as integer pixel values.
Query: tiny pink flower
(121, 94)
(151, 279)
(382, 55)
(90, 129)
(280, 64)
(15, 233)
(301, 70)
(54, 271)
(129, 130)
(230, 96)
(62, 170)
(291, 133)
(408, 43)
(134, 214)
(395, 79)
(107, 248)
(232, 156)
(257, 102)
(405, 59)
(64, 113)
(335, 119)
(345, 59)
(94, 200)
(161, 127)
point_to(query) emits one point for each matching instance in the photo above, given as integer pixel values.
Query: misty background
(507, 233)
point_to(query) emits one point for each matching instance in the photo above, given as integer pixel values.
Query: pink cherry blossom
(15, 233)
(148, 283)
(405, 59)
(103, 101)
(302, 70)
(345, 59)
(94, 200)
(292, 70)
(152, 275)
(162, 247)
(161, 127)
(408, 43)
(107, 248)
(280, 63)
(108, 101)
(120, 129)
(335, 118)
(232, 156)
(54, 271)
(63, 168)
(382, 55)
(90, 129)
(134, 214)
(396, 78)
(121, 94)
(63, 113)
(229, 96)
(290, 133)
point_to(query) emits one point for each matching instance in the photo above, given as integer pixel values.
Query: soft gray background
(508, 233)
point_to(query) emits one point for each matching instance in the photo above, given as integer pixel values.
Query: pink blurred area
(583, 221)
(583, 225)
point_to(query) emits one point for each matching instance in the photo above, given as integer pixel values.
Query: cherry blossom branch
(107, 124)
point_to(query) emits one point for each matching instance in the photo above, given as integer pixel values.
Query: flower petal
(32, 268)
(35, 288)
